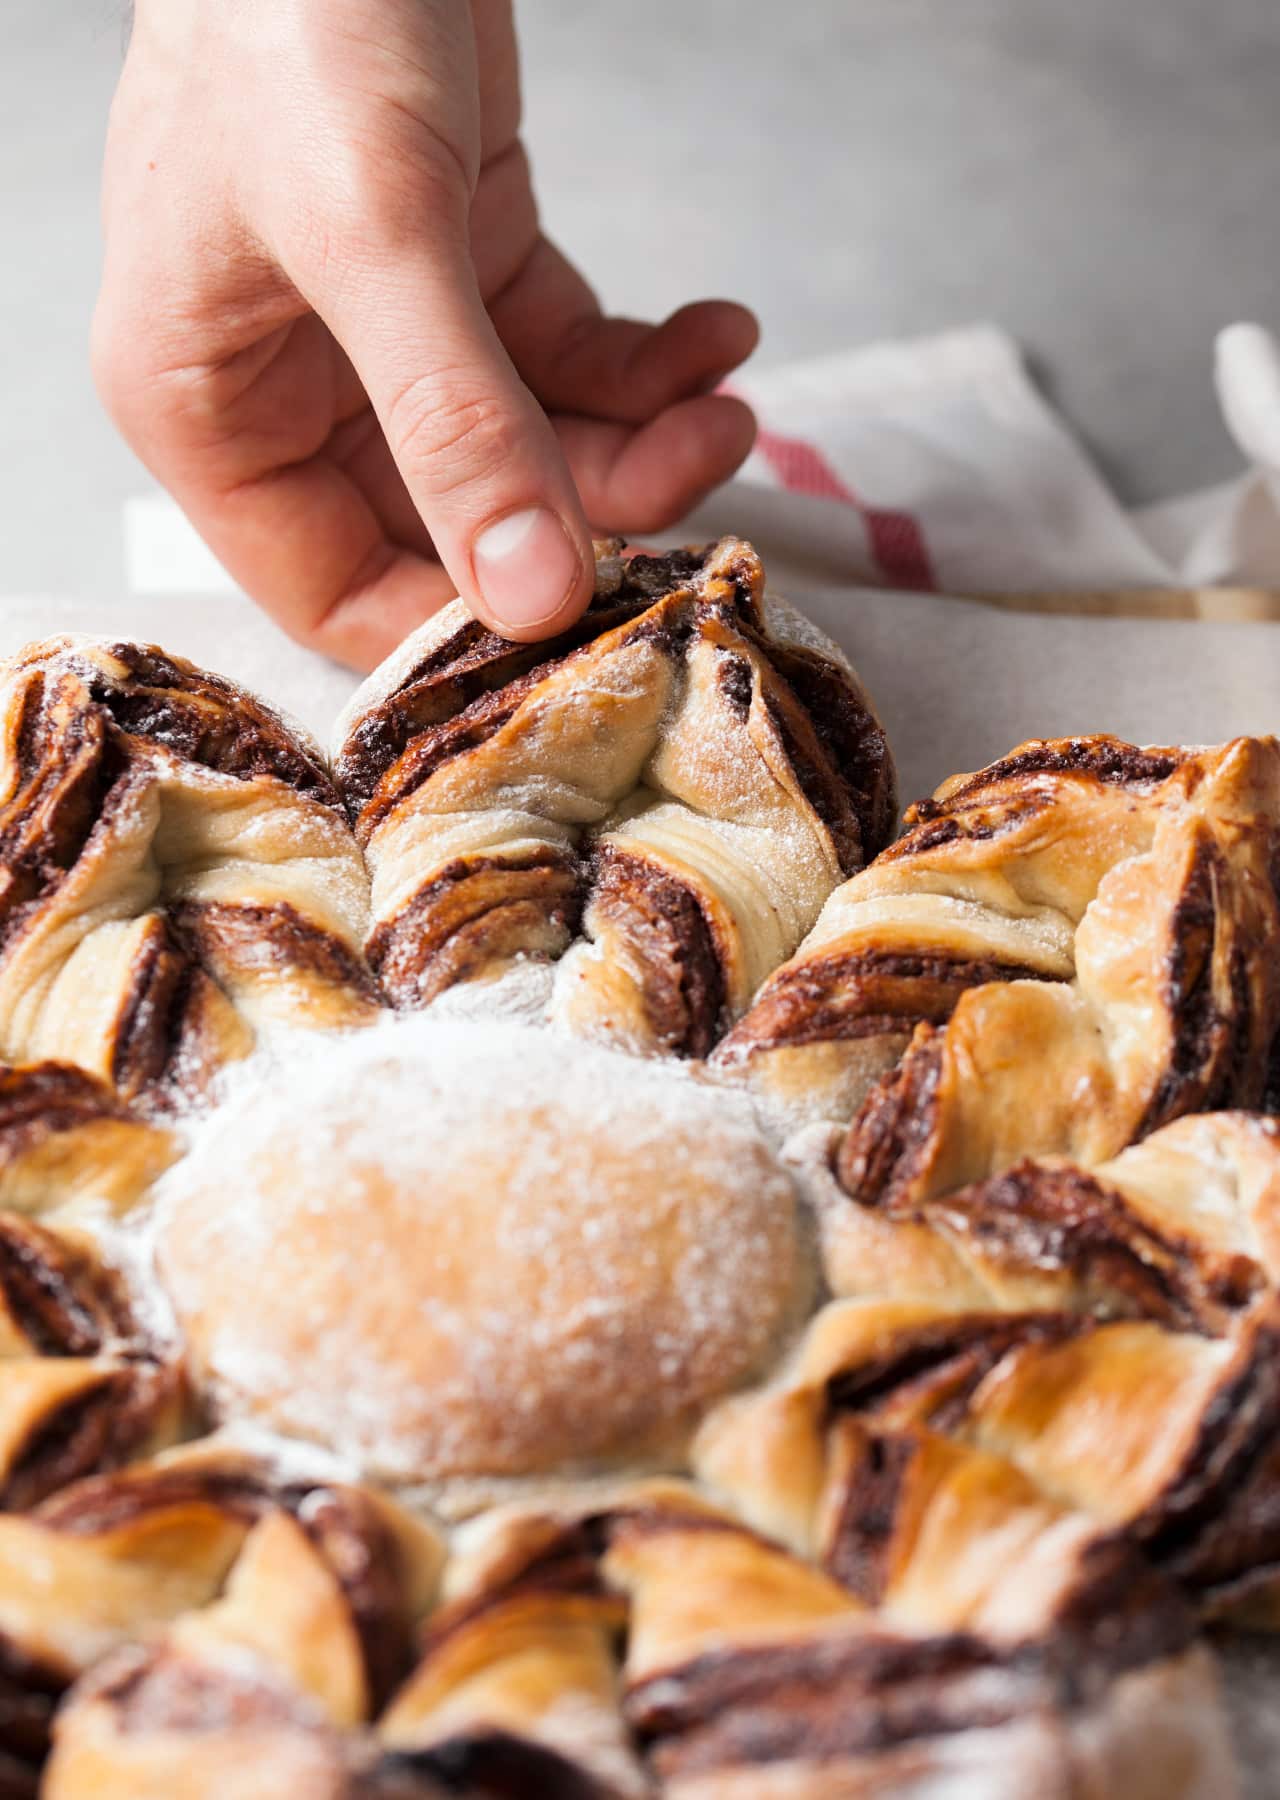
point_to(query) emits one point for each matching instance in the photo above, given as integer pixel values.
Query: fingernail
(526, 567)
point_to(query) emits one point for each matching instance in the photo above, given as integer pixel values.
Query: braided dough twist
(175, 871)
(1096, 921)
(662, 800)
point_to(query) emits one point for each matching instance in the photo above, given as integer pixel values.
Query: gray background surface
(1101, 176)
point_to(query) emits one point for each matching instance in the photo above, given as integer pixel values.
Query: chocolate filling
(65, 769)
(203, 719)
(1117, 1612)
(821, 783)
(431, 749)
(38, 1100)
(95, 1431)
(492, 1764)
(62, 1305)
(1105, 759)
(361, 1549)
(458, 696)
(668, 623)
(568, 1562)
(822, 1700)
(105, 1503)
(683, 989)
(18, 1780)
(849, 995)
(470, 663)
(149, 1024)
(269, 937)
(893, 1135)
(1210, 1065)
(450, 680)
(475, 911)
(736, 679)
(29, 1693)
(837, 1697)
(357, 1544)
(962, 1348)
(928, 831)
(1040, 1217)
(1271, 1084)
(851, 738)
(861, 1534)
(1216, 1522)
(474, 666)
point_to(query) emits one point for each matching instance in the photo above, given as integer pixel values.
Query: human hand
(330, 325)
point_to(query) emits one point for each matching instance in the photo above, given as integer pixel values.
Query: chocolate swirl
(225, 1538)
(175, 870)
(661, 798)
(1041, 901)
(1023, 1411)
(85, 1388)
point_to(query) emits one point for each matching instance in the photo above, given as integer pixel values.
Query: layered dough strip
(1095, 921)
(662, 799)
(1182, 1228)
(908, 1422)
(85, 1384)
(746, 1671)
(619, 1645)
(176, 870)
(70, 1146)
(83, 1387)
(249, 1607)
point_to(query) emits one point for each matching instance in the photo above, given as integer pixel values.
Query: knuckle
(365, 211)
(457, 430)
(381, 192)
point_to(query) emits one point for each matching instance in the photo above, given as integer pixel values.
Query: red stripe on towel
(897, 538)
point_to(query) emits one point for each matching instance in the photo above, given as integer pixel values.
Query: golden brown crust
(267, 1601)
(175, 870)
(742, 1664)
(309, 1633)
(1104, 759)
(861, 993)
(230, 939)
(1107, 871)
(1108, 1242)
(65, 1138)
(82, 1387)
(1059, 1399)
(672, 773)
(194, 714)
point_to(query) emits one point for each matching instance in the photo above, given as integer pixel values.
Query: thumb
(475, 450)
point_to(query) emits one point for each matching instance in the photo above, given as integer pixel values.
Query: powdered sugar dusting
(452, 1248)
(790, 626)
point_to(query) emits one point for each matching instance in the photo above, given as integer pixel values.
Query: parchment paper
(957, 682)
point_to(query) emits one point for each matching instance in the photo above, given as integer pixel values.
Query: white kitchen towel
(936, 465)
(947, 470)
